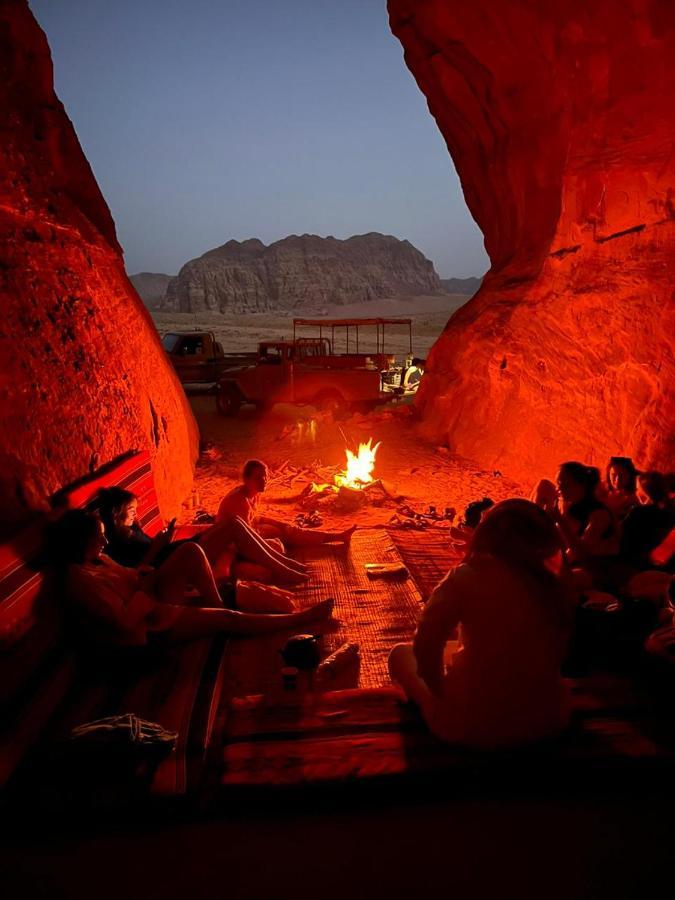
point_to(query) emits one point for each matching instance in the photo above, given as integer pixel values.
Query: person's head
(474, 511)
(652, 487)
(621, 474)
(577, 482)
(76, 538)
(520, 533)
(117, 508)
(417, 361)
(254, 476)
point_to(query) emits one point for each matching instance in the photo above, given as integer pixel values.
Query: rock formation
(465, 286)
(83, 375)
(559, 118)
(300, 272)
(151, 287)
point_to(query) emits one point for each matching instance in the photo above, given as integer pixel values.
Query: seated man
(412, 375)
(243, 502)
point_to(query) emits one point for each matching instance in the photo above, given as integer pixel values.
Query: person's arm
(158, 543)
(591, 542)
(441, 615)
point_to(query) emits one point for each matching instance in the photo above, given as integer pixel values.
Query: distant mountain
(466, 286)
(151, 287)
(299, 272)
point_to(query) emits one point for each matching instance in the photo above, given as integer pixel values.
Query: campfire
(355, 481)
(360, 466)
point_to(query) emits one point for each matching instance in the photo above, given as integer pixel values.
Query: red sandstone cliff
(559, 118)
(82, 374)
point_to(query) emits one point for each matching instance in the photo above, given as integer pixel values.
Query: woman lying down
(127, 606)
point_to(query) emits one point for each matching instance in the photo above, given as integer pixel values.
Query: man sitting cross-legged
(243, 502)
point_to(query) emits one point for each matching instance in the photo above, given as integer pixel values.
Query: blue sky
(206, 120)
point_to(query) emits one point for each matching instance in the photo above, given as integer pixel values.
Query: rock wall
(82, 374)
(559, 118)
(300, 272)
(151, 287)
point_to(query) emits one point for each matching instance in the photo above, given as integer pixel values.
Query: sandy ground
(297, 452)
(241, 333)
(418, 473)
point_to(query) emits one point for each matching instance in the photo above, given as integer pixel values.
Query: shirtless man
(243, 502)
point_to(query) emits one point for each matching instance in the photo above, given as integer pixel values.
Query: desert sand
(419, 473)
(243, 332)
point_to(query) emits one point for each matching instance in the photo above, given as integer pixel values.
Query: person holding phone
(128, 545)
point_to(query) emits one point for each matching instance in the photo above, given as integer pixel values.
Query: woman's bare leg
(305, 537)
(195, 622)
(186, 566)
(252, 547)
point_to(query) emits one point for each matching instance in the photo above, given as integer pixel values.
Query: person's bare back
(238, 504)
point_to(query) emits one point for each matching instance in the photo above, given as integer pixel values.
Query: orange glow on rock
(559, 120)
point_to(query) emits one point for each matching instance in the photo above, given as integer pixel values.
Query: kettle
(302, 652)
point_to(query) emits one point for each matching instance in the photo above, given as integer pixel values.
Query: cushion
(134, 474)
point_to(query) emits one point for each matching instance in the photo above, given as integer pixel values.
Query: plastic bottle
(289, 678)
(331, 667)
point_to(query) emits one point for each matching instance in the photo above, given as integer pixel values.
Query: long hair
(655, 486)
(586, 476)
(110, 503)
(68, 537)
(628, 466)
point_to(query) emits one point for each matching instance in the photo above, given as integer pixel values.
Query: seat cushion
(133, 473)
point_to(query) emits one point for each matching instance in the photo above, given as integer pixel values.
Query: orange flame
(360, 466)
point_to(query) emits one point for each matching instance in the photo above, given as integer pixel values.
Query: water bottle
(331, 667)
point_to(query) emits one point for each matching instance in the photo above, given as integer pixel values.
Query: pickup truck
(198, 357)
(303, 371)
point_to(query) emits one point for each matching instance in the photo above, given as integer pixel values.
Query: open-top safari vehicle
(307, 370)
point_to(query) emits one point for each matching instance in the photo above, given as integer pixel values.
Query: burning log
(350, 498)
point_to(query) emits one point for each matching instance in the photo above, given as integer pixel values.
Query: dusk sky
(206, 120)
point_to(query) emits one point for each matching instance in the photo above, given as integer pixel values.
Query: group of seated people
(129, 588)
(526, 568)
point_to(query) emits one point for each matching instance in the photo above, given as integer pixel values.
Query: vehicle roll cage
(379, 324)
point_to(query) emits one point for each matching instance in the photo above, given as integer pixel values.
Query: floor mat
(428, 555)
(348, 736)
(375, 612)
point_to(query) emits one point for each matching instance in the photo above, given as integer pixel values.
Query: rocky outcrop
(467, 287)
(151, 287)
(300, 272)
(82, 374)
(559, 119)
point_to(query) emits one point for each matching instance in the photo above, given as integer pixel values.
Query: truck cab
(198, 357)
(195, 356)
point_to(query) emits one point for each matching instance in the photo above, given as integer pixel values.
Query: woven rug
(428, 555)
(374, 612)
(347, 736)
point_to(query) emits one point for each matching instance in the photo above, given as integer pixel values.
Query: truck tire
(331, 402)
(228, 399)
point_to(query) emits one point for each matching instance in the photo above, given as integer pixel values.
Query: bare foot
(293, 577)
(323, 610)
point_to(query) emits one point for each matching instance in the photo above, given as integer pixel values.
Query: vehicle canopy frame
(379, 322)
